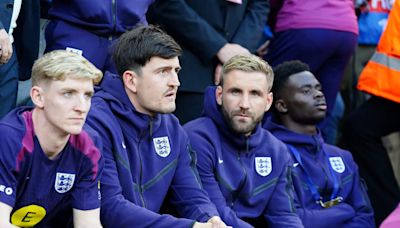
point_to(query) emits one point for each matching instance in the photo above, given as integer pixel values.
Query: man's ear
(218, 95)
(37, 96)
(130, 79)
(280, 106)
(270, 99)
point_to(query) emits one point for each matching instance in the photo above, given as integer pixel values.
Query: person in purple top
(244, 169)
(321, 33)
(146, 151)
(50, 164)
(325, 178)
(90, 27)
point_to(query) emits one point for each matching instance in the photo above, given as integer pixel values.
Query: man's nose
(244, 102)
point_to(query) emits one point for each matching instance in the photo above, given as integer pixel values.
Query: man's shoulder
(100, 111)
(99, 103)
(87, 146)
(171, 123)
(87, 139)
(271, 142)
(201, 124)
(12, 128)
(13, 138)
(170, 127)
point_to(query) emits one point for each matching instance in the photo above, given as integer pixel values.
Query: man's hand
(213, 222)
(263, 49)
(202, 225)
(217, 222)
(6, 50)
(229, 50)
(5, 211)
(224, 54)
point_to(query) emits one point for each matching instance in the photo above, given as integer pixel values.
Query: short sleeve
(86, 194)
(9, 148)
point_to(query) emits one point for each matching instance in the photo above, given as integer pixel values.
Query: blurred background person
(19, 47)
(90, 27)
(378, 117)
(321, 33)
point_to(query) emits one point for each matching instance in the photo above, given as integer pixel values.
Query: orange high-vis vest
(381, 76)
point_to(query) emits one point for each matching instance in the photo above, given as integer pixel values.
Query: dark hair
(282, 73)
(136, 47)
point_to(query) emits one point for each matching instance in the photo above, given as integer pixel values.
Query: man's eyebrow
(305, 86)
(164, 67)
(234, 88)
(68, 89)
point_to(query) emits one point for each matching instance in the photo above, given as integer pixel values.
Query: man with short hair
(243, 167)
(325, 178)
(210, 33)
(146, 150)
(50, 163)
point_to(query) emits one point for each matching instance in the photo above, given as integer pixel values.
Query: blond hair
(248, 63)
(59, 64)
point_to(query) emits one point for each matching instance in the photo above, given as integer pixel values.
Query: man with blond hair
(243, 167)
(50, 163)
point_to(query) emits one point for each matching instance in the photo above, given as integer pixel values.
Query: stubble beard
(237, 126)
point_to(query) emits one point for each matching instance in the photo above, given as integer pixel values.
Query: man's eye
(67, 94)
(235, 92)
(88, 96)
(255, 93)
(164, 72)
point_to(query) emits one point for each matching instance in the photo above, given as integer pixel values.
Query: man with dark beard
(243, 167)
(325, 178)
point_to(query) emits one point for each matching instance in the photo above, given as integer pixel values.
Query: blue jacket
(102, 16)
(231, 172)
(145, 158)
(354, 211)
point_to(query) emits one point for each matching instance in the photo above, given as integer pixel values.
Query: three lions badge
(337, 164)
(263, 165)
(64, 182)
(162, 147)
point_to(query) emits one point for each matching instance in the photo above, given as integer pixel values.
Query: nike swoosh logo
(295, 164)
(220, 161)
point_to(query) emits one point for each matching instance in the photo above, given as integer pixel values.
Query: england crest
(263, 165)
(64, 182)
(162, 147)
(337, 164)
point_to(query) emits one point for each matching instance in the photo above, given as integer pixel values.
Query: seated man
(243, 167)
(325, 177)
(146, 151)
(49, 166)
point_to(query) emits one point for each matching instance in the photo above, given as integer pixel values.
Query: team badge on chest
(162, 147)
(64, 182)
(263, 165)
(337, 164)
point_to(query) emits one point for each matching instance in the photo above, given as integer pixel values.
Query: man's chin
(241, 128)
(75, 132)
(167, 110)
